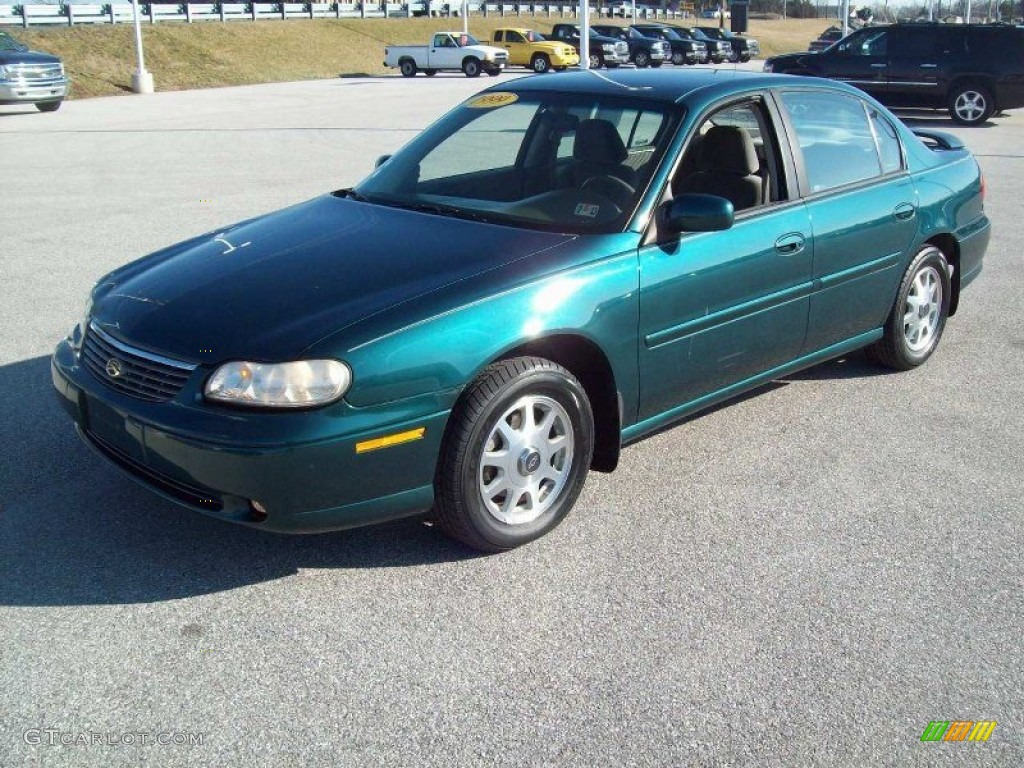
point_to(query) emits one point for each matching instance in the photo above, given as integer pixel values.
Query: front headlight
(77, 334)
(608, 48)
(299, 384)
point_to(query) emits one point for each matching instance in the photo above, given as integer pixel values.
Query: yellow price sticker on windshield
(492, 100)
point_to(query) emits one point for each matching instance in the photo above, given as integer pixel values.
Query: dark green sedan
(558, 267)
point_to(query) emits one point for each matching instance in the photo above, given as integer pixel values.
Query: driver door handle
(790, 244)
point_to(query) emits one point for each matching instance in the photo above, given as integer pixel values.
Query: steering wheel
(611, 187)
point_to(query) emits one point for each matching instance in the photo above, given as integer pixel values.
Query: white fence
(31, 15)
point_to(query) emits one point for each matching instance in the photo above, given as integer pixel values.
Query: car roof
(658, 84)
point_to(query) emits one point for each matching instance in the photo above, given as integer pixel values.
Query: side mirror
(381, 160)
(698, 213)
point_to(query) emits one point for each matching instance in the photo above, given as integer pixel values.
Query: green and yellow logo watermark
(958, 730)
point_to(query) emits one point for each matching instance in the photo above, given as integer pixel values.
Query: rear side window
(836, 138)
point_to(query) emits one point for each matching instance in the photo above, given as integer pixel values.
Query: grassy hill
(100, 59)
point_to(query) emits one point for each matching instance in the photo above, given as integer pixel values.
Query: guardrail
(30, 15)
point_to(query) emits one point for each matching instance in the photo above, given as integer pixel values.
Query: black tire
(744, 58)
(898, 348)
(48, 106)
(678, 58)
(407, 67)
(970, 104)
(642, 59)
(471, 67)
(540, 63)
(595, 60)
(560, 69)
(611, 65)
(429, 72)
(493, 72)
(656, 64)
(505, 389)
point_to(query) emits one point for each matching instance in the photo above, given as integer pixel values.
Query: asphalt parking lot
(807, 576)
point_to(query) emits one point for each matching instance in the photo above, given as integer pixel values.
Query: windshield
(553, 161)
(8, 43)
(668, 34)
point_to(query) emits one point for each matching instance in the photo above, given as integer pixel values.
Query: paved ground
(806, 577)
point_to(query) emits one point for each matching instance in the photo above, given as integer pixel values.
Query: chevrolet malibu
(558, 267)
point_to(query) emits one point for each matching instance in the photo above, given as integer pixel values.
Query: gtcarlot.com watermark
(55, 737)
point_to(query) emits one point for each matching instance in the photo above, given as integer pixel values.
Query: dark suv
(743, 48)
(683, 49)
(643, 51)
(972, 70)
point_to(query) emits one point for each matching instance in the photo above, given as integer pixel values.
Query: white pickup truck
(447, 50)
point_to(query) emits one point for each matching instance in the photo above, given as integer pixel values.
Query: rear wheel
(407, 67)
(48, 106)
(918, 316)
(971, 104)
(540, 63)
(471, 67)
(515, 455)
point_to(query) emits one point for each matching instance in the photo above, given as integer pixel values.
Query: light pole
(142, 81)
(585, 34)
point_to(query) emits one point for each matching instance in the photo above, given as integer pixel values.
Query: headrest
(597, 141)
(727, 149)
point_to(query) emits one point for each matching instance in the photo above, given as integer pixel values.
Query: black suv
(643, 51)
(684, 50)
(973, 70)
(743, 48)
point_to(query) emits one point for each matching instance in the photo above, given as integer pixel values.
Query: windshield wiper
(441, 209)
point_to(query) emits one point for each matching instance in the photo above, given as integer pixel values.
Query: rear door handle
(904, 211)
(929, 66)
(790, 244)
(879, 66)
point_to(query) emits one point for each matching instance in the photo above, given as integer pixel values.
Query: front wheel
(48, 106)
(595, 61)
(540, 64)
(408, 68)
(918, 316)
(515, 455)
(642, 59)
(971, 104)
(471, 67)
(678, 59)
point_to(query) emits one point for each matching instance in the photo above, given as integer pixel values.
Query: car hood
(28, 57)
(790, 59)
(268, 288)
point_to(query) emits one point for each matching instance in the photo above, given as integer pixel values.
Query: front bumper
(30, 92)
(611, 57)
(214, 466)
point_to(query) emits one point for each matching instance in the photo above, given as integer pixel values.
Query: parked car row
(610, 45)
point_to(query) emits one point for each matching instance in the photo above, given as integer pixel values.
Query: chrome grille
(132, 371)
(36, 74)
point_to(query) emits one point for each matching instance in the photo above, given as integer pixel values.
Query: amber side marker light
(389, 440)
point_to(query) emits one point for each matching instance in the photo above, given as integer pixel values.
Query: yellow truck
(528, 48)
